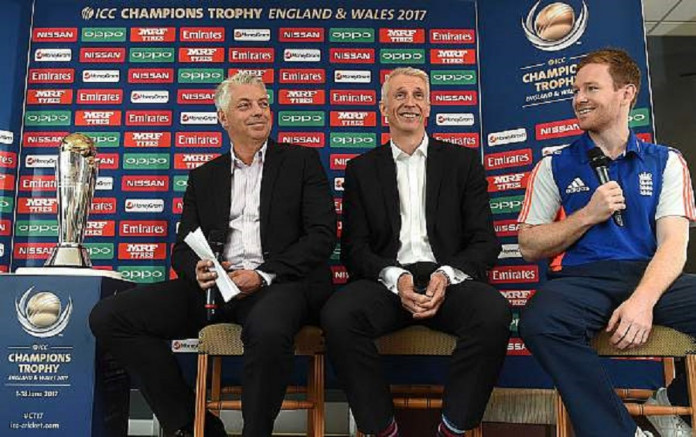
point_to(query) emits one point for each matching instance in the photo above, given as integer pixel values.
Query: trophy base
(69, 256)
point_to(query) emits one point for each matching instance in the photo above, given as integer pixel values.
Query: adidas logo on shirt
(577, 186)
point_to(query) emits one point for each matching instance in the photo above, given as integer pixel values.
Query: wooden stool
(418, 340)
(223, 339)
(663, 342)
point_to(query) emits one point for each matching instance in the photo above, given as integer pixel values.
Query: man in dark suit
(274, 203)
(417, 241)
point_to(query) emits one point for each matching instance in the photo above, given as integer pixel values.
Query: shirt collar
(633, 146)
(422, 149)
(260, 155)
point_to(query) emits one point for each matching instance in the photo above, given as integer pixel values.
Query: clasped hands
(422, 306)
(248, 281)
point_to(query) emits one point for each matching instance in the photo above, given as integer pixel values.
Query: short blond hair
(222, 92)
(405, 71)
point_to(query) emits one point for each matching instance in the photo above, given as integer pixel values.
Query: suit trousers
(134, 326)
(474, 312)
(569, 310)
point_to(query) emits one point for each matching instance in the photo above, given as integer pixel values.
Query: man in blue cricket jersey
(604, 275)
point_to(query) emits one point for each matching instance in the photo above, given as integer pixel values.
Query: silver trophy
(76, 176)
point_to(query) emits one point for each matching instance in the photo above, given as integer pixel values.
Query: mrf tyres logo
(555, 27)
(41, 314)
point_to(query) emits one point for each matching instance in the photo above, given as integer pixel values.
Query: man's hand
(204, 277)
(631, 323)
(436, 294)
(410, 300)
(607, 199)
(248, 281)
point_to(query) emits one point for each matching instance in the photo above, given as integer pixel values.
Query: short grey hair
(406, 71)
(222, 92)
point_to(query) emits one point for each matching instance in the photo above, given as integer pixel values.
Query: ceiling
(670, 17)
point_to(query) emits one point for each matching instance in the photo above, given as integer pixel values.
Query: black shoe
(213, 427)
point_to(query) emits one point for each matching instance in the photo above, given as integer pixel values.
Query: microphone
(599, 162)
(216, 240)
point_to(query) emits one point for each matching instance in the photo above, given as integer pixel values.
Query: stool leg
(201, 388)
(668, 370)
(315, 393)
(476, 432)
(691, 384)
(563, 426)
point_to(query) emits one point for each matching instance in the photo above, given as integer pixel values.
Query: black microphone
(599, 162)
(216, 240)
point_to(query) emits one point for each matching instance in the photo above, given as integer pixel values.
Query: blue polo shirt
(655, 183)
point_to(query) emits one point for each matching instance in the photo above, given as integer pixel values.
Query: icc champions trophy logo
(555, 27)
(42, 314)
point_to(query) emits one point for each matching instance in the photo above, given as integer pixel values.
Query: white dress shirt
(415, 245)
(243, 247)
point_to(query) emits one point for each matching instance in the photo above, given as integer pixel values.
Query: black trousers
(134, 325)
(474, 312)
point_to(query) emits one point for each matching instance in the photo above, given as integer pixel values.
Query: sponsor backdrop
(139, 77)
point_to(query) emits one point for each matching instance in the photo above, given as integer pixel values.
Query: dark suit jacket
(297, 213)
(458, 215)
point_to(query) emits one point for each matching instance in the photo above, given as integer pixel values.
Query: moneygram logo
(259, 35)
(198, 139)
(37, 161)
(455, 119)
(302, 55)
(148, 139)
(353, 97)
(352, 56)
(352, 76)
(105, 76)
(401, 56)
(100, 250)
(53, 55)
(252, 55)
(6, 137)
(201, 54)
(198, 118)
(351, 34)
(452, 56)
(514, 274)
(513, 158)
(97, 118)
(151, 75)
(146, 161)
(507, 137)
(452, 36)
(148, 54)
(104, 183)
(54, 34)
(307, 139)
(202, 34)
(361, 140)
(510, 251)
(52, 75)
(103, 34)
(452, 77)
(301, 34)
(144, 205)
(353, 118)
(555, 27)
(103, 55)
(302, 97)
(37, 205)
(558, 129)
(145, 274)
(100, 97)
(201, 75)
(506, 205)
(301, 118)
(47, 118)
(149, 96)
(41, 314)
(338, 184)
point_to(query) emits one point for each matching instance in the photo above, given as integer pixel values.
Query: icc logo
(42, 314)
(555, 27)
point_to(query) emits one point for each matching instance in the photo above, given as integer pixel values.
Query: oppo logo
(48, 118)
(301, 118)
(196, 75)
(141, 161)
